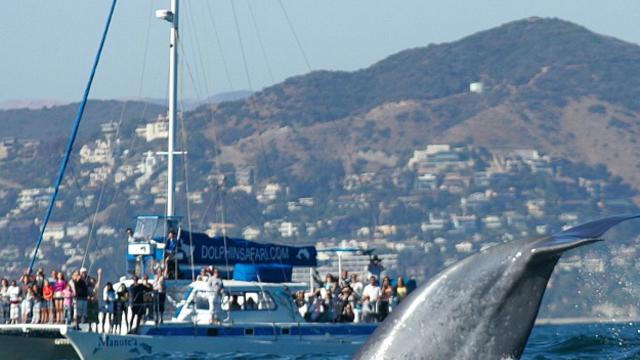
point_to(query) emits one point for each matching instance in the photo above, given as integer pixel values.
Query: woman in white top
(14, 300)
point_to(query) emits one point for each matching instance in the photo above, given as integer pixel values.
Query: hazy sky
(48, 46)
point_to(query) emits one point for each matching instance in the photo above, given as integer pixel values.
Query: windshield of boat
(149, 228)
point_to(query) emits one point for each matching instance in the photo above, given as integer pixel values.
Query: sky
(48, 46)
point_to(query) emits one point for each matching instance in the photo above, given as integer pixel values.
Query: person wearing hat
(375, 267)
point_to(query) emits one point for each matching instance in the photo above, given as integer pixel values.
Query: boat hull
(218, 341)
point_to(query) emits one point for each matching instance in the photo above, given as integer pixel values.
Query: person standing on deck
(67, 304)
(37, 304)
(27, 304)
(130, 237)
(14, 299)
(58, 299)
(122, 309)
(47, 302)
(93, 297)
(80, 296)
(108, 303)
(137, 303)
(5, 304)
(160, 296)
(375, 267)
(372, 292)
(215, 285)
(171, 245)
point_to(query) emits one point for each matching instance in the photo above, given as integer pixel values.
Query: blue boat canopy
(274, 273)
(225, 250)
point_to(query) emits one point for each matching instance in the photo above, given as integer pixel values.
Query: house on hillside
(54, 231)
(158, 129)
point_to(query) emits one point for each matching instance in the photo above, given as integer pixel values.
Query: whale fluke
(482, 307)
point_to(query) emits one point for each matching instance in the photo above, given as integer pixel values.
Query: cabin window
(233, 302)
(248, 300)
(248, 331)
(259, 300)
(237, 301)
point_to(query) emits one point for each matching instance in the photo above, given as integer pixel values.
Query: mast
(172, 17)
(173, 104)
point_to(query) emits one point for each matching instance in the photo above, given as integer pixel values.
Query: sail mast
(173, 105)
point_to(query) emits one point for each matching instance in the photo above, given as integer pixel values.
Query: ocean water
(584, 341)
(553, 342)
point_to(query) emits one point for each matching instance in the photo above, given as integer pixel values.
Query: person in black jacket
(136, 292)
(80, 294)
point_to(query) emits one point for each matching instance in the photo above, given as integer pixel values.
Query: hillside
(549, 84)
(54, 122)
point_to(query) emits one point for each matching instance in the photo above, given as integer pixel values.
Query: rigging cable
(183, 145)
(260, 42)
(186, 64)
(215, 32)
(216, 159)
(73, 135)
(74, 178)
(295, 35)
(251, 99)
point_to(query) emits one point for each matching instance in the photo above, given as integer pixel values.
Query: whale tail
(483, 306)
(580, 235)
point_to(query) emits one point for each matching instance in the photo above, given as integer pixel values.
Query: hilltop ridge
(548, 83)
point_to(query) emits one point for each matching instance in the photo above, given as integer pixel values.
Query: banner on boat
(209, 251)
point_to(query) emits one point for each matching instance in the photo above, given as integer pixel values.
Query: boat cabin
(242, 302)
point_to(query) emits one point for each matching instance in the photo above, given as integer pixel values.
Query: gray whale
(482, 307)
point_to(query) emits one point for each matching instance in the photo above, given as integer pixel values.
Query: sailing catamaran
(259, 313)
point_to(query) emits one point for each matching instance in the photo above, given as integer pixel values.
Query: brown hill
(548, 84)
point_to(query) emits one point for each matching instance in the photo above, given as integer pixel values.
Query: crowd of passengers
(79, 299)
(38, 299)
(347, 299)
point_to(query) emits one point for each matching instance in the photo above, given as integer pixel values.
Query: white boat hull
(109, 347)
